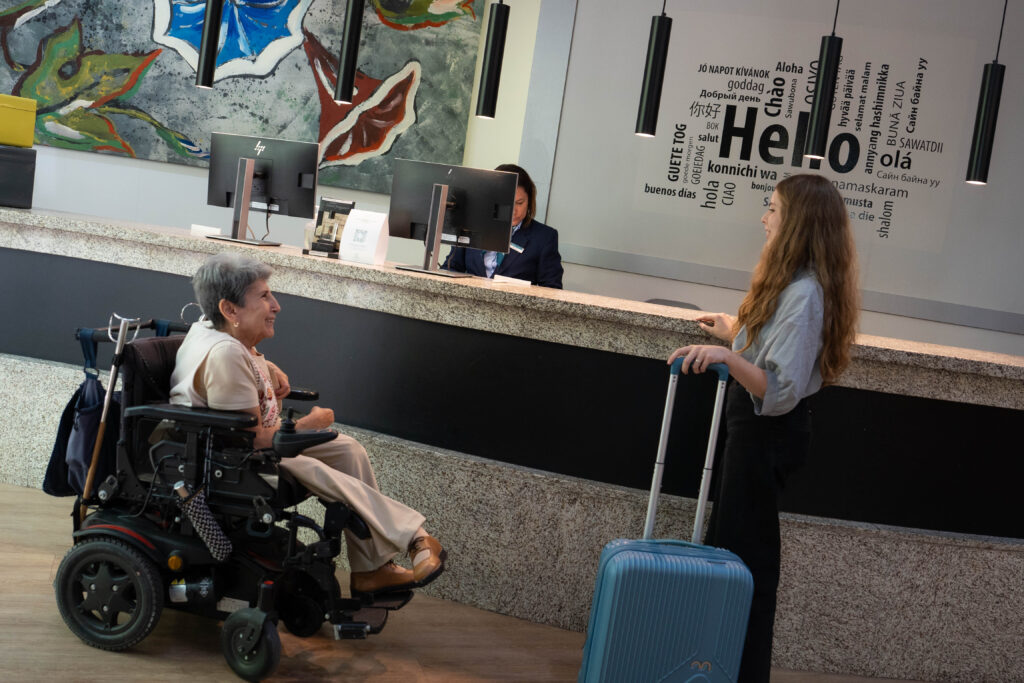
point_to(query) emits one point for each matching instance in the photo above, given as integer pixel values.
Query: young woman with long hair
(792, 336)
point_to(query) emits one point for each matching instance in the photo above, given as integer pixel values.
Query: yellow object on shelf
(17, 120)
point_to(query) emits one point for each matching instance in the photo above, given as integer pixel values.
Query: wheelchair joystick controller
(288, 422)
(289, 442)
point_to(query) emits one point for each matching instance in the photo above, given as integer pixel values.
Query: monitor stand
(242, 197)
(438, 207)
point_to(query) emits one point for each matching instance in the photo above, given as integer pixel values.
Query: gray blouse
(788, 347)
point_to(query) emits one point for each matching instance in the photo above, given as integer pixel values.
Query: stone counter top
(565, 317)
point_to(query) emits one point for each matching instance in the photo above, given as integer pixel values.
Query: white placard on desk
(365, 237)
(203, 230)
(505, 280)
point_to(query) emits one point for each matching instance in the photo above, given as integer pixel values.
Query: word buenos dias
(669, 191)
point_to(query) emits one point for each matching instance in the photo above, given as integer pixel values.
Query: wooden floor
(428, 640)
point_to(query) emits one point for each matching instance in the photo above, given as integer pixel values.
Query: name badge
(515, 247)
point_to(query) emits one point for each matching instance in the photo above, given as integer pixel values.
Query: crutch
(119, 343)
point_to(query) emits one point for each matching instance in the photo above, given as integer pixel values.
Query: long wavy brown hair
(814, 234)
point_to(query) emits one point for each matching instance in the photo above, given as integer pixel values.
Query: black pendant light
(349, 52)
(654, 74)
(985, 119)
(816, 144)
(494, 51)
(209, 44)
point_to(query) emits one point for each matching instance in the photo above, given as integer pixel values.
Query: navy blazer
(539, 262)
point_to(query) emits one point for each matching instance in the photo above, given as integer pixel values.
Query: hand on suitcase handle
(721, 368)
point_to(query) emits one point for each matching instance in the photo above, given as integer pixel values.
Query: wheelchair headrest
(147, 364)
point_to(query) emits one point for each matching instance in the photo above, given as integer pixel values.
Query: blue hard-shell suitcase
(667, 610)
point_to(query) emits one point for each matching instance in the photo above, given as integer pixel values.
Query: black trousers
(759, 455)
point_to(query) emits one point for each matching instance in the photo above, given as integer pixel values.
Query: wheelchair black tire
(303, 616)
(264, 657)
(98, 574)
(301, 604)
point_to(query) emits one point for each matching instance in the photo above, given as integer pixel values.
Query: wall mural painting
(118, 78)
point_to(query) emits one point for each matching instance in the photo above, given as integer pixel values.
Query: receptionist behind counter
(533, 254)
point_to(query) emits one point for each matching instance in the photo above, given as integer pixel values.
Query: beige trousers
(340, 471)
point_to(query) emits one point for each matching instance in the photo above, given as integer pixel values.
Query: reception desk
(523, 423)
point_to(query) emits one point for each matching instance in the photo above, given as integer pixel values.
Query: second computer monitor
(480, 202)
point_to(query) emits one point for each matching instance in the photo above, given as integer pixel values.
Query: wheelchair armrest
(187, 415)
(290, 444)
(303, 395)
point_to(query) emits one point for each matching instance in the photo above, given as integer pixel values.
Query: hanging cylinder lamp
(985, 119)
(494, 51)
(654, 75)
(985, 123)
(816, 143)
(209, 44)
(349, 53)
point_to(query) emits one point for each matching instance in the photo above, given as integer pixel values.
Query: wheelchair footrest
(351, 631)
(390, 601)
(370, 618)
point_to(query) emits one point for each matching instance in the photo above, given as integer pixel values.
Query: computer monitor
(450, 204)
(267, 174)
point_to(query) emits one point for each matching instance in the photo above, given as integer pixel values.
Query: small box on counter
(17, 120)
(17, 176)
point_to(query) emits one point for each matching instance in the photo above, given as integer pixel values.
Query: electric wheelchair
(196, 519)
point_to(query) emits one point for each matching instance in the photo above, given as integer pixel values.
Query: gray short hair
(226, 276)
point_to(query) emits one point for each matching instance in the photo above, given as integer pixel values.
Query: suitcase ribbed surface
(667, 611)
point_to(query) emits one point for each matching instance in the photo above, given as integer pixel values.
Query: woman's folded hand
(718, 325)
(318, 418)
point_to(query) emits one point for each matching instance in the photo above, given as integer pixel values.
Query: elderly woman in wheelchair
(201, 481)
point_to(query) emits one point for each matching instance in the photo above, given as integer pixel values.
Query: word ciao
(715, 192)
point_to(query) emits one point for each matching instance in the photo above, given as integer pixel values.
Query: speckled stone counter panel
(583, 320)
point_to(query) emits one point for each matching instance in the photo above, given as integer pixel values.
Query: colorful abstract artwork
(118, 77)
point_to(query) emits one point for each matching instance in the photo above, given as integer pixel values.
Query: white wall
(954, 255)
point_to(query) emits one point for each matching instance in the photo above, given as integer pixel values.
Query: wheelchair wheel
(251, 644)
(303, 616)
(108, 593)
(301, 605)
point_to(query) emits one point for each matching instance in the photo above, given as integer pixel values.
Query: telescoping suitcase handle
(709, 459)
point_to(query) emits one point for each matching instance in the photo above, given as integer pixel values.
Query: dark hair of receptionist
(226, 276)
(525, 182)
